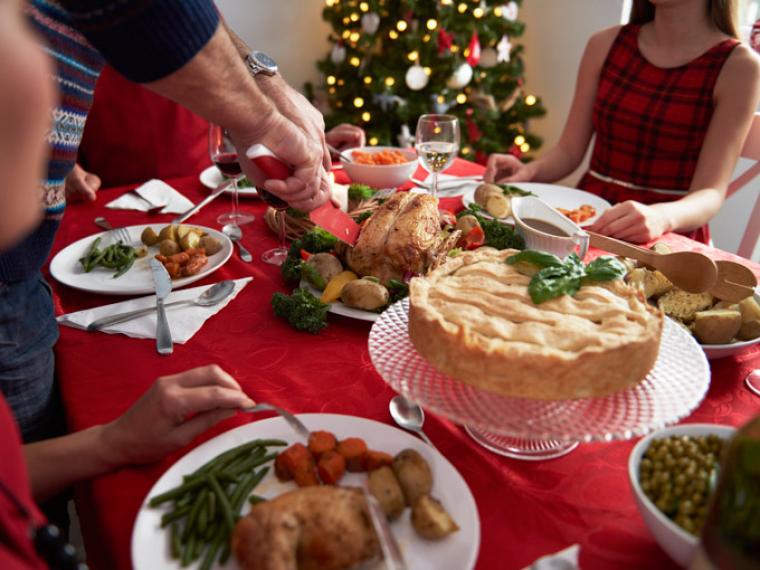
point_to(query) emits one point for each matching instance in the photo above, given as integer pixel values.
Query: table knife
(390, 548)
(214, 194)
(163, 285)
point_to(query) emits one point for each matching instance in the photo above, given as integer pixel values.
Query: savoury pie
(473, 320)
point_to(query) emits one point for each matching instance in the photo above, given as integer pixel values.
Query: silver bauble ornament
(462, 76)
(416, 78)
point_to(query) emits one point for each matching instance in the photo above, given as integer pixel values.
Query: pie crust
(473, 320)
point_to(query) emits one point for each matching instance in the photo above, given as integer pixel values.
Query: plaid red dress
(650, 123)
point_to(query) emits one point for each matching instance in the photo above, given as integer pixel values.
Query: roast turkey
(402, 237)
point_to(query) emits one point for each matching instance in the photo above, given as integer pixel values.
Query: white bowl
(679, 544)
(381, 176)
(713, 351)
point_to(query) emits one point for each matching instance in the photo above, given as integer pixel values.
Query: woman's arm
(568, 153)
(173, 411)
(737, 94)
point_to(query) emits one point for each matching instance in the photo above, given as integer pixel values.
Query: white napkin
(184, 321)
(566, 559)
(157, 192)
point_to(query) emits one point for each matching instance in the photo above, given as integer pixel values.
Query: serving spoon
(688, 270)
(343, 156)
(211, 296)
(409, 416)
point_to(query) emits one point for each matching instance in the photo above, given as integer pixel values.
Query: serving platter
(554, 195)
(213, 177)
(338, 308)
(541, 429)
(66, 268)
(150, 544)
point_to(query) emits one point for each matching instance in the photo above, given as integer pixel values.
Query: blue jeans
(28, 331)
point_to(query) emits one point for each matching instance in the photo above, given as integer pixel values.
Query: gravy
(544, 226)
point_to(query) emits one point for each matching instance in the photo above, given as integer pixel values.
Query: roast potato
(717, 326)
(652, 283)
(149, 236)
(498, 205)
(190, 240)
(750, 310)
(366, 294)
(683, 305)
(210, 245)
(326, 264)
(749, 330)
(168, 247)
(386, 489)
(661, 247)
(483, 191)
(467, 223)
(431, 520)
(168, 232)
(413, 474)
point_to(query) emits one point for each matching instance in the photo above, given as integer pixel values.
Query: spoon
(735, 282)
(343, 156)
(211, 296)
(409, 416)
(688, 270)
(234, 232)
(753, 381)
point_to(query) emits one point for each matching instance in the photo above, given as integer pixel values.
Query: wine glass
(276, 255)
(224, 156)
(437, 144)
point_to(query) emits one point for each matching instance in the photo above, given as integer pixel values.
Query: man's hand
(345, 135)
(173, 411)
(632, 221)
(82, 185)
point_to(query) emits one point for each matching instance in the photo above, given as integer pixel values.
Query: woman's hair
(722, 14)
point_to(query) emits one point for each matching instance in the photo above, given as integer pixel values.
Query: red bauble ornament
(445, 41)
(473, 132)
(481, 157)
(473, 56)
(515, 151)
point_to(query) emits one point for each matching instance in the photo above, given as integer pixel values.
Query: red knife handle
(266, 161)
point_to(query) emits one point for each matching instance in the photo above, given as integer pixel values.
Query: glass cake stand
(541, 429)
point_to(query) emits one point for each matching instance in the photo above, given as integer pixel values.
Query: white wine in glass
(437, 144)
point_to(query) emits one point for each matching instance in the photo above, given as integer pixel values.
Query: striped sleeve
(145, 40)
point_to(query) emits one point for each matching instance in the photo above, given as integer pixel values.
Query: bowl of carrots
(381, 166)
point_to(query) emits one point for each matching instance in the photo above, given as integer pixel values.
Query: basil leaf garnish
(605, 268)
(540, 258)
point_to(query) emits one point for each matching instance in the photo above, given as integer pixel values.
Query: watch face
(265, 61)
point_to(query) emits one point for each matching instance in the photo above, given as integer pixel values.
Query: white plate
(213, 177)
(714, 351)
(66, 268)
(339, 308)
(554, 195)
(150, 545)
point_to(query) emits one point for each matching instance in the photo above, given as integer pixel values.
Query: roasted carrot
(331, 467)
(376, 459)
(353, 450)
(321, 442)
(281, 468)
(298, 462)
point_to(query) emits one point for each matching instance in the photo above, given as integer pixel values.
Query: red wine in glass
(227, 162)
(272, 200)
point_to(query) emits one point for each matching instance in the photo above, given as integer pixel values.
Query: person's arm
(82, 185)
(185, 55)
(173, 411)
(567, 154)
(737, 94)
(25, 102)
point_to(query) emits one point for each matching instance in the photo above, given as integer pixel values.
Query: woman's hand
(345, 135)
(632, 221)
(506, 168)
(173, 411)
(82, 185)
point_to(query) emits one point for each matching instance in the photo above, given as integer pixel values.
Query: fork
(120, 234)
(293, 421)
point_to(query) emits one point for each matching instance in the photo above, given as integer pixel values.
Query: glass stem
(434, 186)
(235, 208)
(281, 227)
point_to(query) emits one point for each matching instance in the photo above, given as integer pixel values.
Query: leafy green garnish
(291, 270)
(360, 192)
(244, 183)
(498, 235)
(293, 213)
(557, 277)
(363, 216)
(398, 290)
(510, 190)
(457, 251)
(302, 310)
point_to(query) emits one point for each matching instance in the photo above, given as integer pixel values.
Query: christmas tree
(394, 60)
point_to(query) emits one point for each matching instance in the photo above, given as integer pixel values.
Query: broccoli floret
(398, 290)
(316, 240)
(498, 235)
(244, 183)
(291, 270)
(360, 192)
(363, 216)
(302, 310)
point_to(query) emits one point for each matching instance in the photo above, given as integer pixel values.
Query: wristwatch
(259, 62)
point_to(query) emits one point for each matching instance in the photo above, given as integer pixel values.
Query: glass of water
(437, 144)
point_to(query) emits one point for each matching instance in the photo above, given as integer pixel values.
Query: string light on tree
(461, 98)
(519, 140)
(366, 117)
(401, 25)
(373, 141)
(358, 102)
(530, 100)
(355, 61)
(431, 24)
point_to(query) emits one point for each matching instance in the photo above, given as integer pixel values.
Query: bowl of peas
(673, 473)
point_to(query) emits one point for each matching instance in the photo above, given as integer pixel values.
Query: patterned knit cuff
(145, 40)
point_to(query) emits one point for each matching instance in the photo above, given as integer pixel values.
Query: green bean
(193, 516)
(254, 463)
(187, 552)
(172, 516)
(256, 499)
(176, 492)
(213, 549)
(176, 545)
(126, 267)
(224, 505)
(202, 518)
(211, 506)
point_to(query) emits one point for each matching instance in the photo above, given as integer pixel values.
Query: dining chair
(751, 151)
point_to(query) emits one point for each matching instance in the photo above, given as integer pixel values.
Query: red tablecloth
(526, 509)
